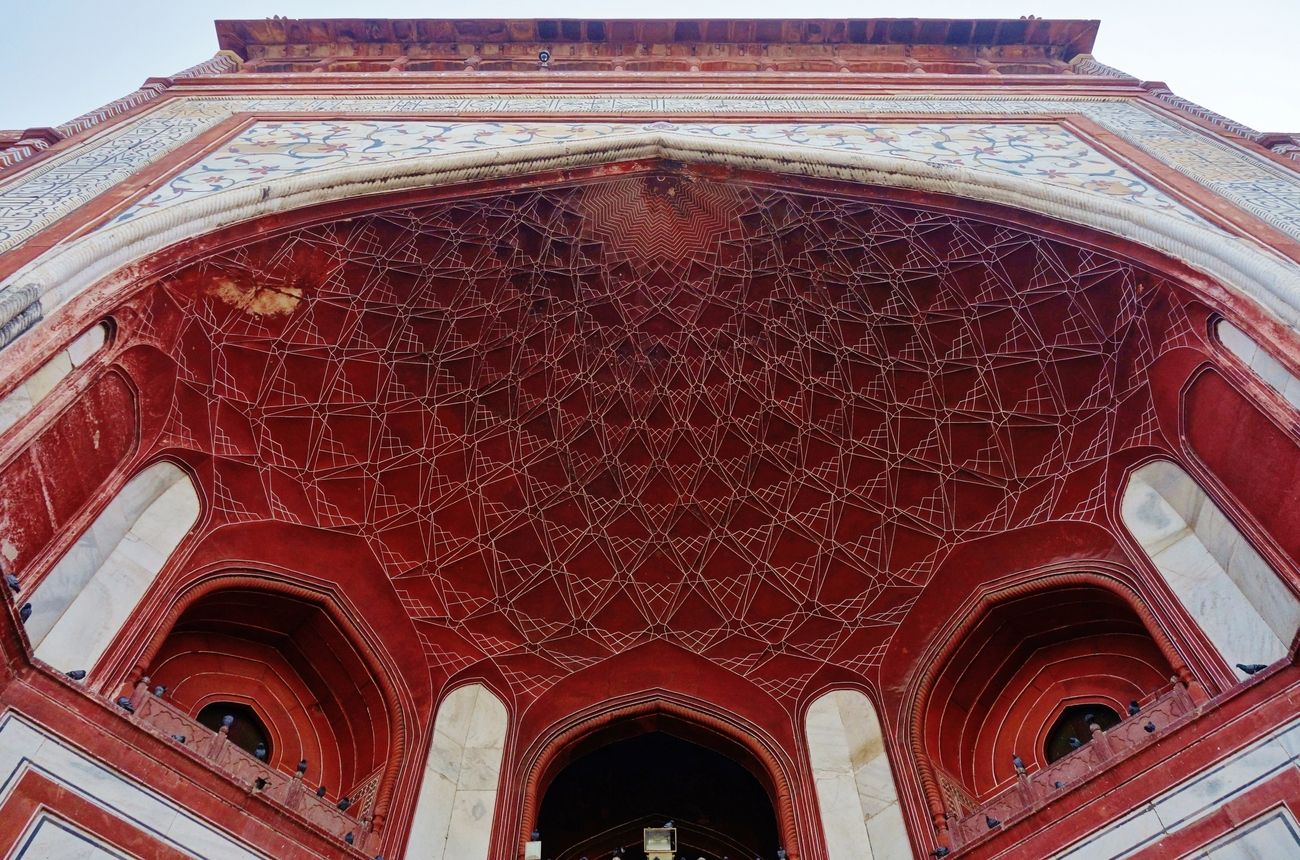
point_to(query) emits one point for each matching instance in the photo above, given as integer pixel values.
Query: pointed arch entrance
(596, 784)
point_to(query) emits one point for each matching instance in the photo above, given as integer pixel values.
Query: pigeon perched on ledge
(12, 582)
(76, 674)
(1252, 668)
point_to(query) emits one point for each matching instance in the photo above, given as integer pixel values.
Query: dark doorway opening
(601, 801)
(246, 732)
(1073, 723)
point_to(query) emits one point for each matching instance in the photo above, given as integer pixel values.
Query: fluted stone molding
(1087, 64)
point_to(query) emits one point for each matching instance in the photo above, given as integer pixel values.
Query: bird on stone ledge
(1075, 743)
(259, 752)
(992, 822)
(1252, 668)
(25, 612)
(1134, 708)
(12, 582)
(941, 851)
(76, 674)
(344, 804)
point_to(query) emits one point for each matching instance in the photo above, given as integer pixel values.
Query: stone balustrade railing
(287, 790)
(1035, 789)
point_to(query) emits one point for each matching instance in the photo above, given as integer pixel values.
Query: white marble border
(25, 746)
(1194, 799)
(51, 838)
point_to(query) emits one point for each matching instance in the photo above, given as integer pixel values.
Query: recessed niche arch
(82, 603)
(1001, 687)
(860, 814)
(292, 657)
(1229, 589)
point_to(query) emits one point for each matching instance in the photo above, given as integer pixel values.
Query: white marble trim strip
(51, 838)
(1193, 799)
(25, 746)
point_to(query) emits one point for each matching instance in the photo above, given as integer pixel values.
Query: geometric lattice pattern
(759, 450)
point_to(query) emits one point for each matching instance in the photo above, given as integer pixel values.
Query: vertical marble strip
(457, 802)
(1258, 359)
(860, 814)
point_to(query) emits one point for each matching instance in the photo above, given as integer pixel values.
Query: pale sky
(60, 58)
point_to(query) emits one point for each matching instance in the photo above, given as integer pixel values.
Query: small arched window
(247, 731)
(1074, 722)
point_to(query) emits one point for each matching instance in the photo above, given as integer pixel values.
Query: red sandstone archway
(982, 698)
(669, 714)
(931, 448)
(227, 620)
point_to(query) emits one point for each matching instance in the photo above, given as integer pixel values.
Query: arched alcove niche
(90, 593)
(458, 792)
(860, 813)
(300, 670)
(1026, 657)
(1229, 589)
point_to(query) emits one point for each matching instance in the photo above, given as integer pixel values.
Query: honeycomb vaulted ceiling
(749, 421)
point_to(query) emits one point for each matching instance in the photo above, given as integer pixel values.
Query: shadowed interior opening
(246, 732)
(601, 801)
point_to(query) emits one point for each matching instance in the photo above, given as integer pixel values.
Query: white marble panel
(1199, 796)
(1213, 787)
(856, 795)
(51, 839)
(32, 390)
(1119, 839)
(24, 745)
(457, 802)
(84, 601)
(1270, 837)
(1240, 603)
(81, 349)
(1258, 359)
